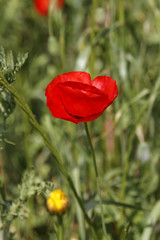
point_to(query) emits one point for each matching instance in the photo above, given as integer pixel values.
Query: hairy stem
(53, 150)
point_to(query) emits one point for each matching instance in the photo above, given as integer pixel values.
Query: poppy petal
(107, 85)
(55, 105)
(42, 6)
(82, 100)
(81, 77)
(73, 97)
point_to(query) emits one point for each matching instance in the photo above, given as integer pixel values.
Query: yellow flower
(57, 202)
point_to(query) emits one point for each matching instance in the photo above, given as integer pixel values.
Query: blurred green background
(117, 38)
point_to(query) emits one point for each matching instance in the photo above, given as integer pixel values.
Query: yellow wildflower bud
(57, 202)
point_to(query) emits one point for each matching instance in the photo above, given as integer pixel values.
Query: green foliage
(8, 68)
(7, 106)
(31, 186)
(7, 65)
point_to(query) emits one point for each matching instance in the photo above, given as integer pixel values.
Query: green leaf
(151, 221)
(92, 204)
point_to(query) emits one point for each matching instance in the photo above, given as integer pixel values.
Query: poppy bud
(100, 16)
(57, 203)
(143, 152)
(53, 46)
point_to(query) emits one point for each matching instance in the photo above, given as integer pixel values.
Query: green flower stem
(50, 13)
(6, 234)
(62, 45)
(97, 179)
(51, 30)
(92, 36)
(53, 150)
(60, 227)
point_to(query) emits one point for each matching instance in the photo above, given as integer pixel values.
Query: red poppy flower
(73, 97)
(42, 6)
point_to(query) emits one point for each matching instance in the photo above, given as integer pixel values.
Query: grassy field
(120, 39)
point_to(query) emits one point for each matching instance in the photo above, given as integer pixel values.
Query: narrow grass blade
(92, 204)
(151, 221)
